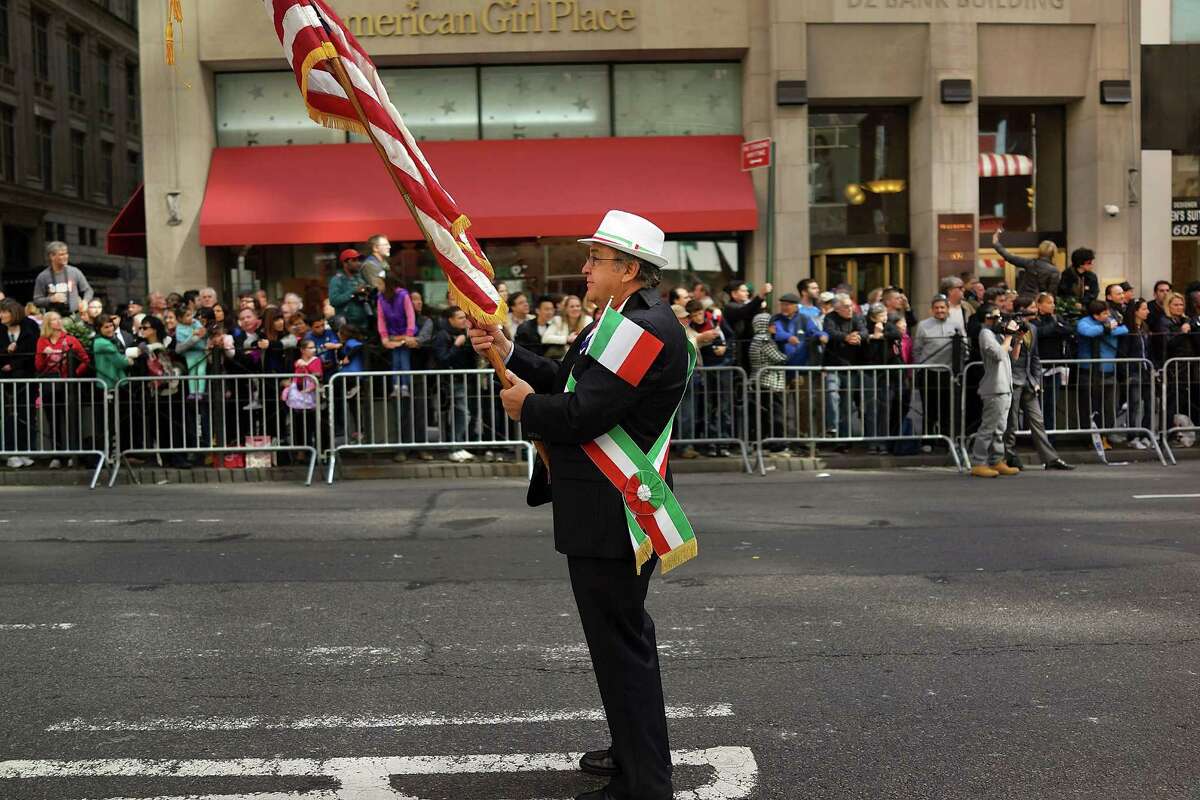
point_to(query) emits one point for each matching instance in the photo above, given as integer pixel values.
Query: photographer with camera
(995, 390)
(1027, 390)
(350, 293)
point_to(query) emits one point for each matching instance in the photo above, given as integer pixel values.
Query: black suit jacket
(589, 516)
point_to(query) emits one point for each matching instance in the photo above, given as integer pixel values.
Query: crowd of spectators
(371, 321)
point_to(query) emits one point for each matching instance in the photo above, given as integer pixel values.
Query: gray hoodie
(70, 282)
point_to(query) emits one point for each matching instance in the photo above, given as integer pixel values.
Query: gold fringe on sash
(642, 555)
(685, 552)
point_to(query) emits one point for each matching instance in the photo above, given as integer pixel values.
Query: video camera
(1021, 320)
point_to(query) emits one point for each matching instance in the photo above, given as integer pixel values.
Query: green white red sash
(654, 517)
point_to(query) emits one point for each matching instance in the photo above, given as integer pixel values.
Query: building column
(789, 62)
(1155, 168)
(943, 154)
(177, 147)
(756, 124)
(1100, 152)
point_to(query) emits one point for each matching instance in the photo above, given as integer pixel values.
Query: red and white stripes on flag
(312, 35)
(997, 165)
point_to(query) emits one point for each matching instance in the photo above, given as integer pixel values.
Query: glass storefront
(858, 195)
(696, 99)
(1022, 173)
(1185, 20)
(858, 177)
(1185, 248)
(502, 102)
(536, 266)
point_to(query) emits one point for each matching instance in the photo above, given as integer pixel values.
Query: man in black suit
(590, 528)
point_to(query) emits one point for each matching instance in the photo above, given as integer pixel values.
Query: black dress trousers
(620, 635)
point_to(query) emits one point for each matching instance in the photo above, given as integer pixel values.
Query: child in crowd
(302, 392)
(327, 342)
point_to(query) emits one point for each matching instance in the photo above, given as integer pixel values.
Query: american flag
(313, 39)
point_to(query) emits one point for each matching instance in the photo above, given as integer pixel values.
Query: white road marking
(35, 626)
(344, 722)
(735, 772)
(1162, 496)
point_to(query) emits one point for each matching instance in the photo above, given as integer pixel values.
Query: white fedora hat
(631, 234)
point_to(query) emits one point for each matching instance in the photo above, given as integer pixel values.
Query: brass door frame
(892, 256)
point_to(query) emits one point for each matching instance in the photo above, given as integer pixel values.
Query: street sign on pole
(756, 154)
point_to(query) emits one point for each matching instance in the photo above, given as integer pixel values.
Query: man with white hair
(207, 298)
(292, 304)
(60, 287)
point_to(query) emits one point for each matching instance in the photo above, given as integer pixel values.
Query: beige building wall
(849, 52)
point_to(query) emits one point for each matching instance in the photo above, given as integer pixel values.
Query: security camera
(1112, 210)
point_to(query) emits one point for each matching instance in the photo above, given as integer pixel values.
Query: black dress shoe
(1058, 463)
(599, 794)
(599, 762)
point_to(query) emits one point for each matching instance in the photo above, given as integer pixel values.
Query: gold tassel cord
(174, 15)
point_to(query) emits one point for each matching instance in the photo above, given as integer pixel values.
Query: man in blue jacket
(1097, 333)
(793, 330)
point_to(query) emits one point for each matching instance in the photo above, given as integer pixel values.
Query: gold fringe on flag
(474, 311)
(459, 225)
(685, 552)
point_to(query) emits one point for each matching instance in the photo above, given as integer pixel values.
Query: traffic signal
(1030, 196)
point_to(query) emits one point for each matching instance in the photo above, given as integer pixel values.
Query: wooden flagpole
(343, 79)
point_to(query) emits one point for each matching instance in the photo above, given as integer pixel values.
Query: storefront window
(262, 108)
(1185, 220)
(858, 177)
(701, 99)
(545, 102)
(437, 104)
(1185, 20)
(1022, 170)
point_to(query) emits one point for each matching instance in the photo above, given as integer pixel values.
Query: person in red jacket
(60, 355)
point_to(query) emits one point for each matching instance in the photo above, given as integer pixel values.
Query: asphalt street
(912, 634)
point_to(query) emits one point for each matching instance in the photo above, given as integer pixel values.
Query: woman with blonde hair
(59, 355)
(1037, 274)
(564, 329)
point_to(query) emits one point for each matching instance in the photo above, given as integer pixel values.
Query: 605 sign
(1185, 219)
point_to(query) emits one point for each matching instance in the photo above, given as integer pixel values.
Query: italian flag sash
(654, 517)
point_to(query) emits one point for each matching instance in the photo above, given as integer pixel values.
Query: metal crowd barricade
(55, 418)
(178, 416)
(1082, 397)
(1180, 400)
(419, 410)
(714, 411)
(842, 405)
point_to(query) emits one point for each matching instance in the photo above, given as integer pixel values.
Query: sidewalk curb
(363, 469)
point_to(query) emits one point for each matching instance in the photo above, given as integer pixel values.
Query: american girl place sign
(496, 17)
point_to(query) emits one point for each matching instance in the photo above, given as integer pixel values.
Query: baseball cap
(826, 297)
(348, 254)
(790, 297)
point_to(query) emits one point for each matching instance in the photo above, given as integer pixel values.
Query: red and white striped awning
(995, 165)
(991, 266)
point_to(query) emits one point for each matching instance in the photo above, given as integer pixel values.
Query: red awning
(312, 194)
(127, 236)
